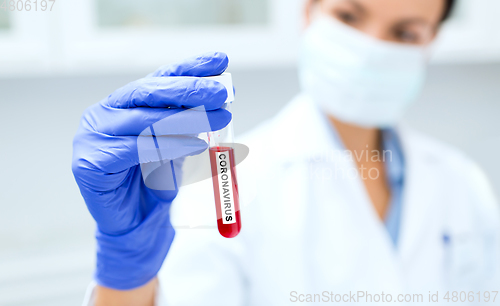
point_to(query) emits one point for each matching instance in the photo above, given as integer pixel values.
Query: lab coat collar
(302, 132)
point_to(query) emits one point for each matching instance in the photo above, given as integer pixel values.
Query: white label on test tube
(225, 188)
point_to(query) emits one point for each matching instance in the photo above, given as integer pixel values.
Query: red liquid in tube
(226, 194)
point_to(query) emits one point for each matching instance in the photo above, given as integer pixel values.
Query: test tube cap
(226, 80)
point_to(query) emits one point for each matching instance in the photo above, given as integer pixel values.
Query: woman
(340, 203)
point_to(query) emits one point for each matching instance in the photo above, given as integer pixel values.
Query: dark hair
(448, 9)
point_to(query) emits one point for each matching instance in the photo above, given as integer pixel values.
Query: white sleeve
(89, 298)
(488, 223)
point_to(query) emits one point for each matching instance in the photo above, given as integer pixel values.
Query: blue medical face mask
(357, 78)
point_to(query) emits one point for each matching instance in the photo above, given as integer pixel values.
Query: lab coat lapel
(420, 192)
(339, 211)
(354, 237)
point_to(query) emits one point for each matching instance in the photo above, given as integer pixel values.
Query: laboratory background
(59, 57)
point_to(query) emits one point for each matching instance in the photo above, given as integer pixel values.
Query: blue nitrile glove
(134, 232)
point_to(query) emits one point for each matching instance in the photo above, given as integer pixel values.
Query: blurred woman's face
(403, 21)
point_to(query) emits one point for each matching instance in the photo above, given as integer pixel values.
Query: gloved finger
(99, 156)
(174, 92)
(207, 64)
(153, 149)
(116, 216)
(133, 122)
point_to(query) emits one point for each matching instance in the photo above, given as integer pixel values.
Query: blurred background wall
(55, 63)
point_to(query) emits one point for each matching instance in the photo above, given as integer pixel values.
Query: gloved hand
(134, 232)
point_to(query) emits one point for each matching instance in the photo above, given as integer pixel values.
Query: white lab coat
(308, 230)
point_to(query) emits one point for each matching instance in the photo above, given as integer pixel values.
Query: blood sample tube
(225, 182)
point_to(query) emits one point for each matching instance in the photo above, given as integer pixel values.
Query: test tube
(223, 166)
